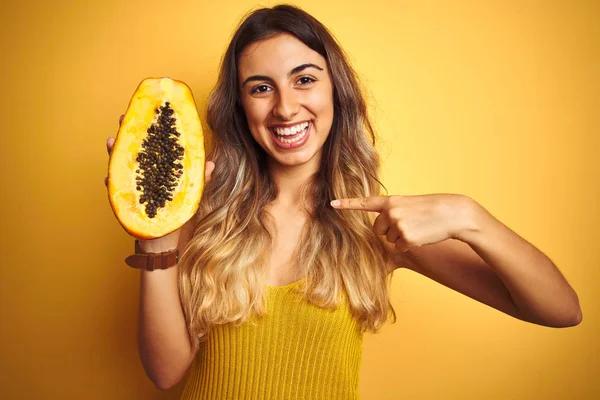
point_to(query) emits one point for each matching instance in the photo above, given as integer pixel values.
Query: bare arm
(163, 341)
(492, 264)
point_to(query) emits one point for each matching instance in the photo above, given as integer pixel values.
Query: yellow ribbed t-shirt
(296, 351)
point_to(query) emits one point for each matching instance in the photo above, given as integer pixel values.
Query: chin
(292, 161)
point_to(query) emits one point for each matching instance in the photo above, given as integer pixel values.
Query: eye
(261, 87)
(306, 80)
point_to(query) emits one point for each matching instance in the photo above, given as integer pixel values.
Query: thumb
(209, 168)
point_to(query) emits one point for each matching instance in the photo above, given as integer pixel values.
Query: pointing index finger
(373, 203)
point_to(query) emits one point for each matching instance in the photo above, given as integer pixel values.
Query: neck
(290, 181)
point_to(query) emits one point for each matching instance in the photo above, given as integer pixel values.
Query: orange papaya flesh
(156, 166)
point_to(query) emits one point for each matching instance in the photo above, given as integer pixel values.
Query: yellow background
(497, 100)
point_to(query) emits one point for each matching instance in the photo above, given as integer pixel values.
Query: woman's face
(287, 95)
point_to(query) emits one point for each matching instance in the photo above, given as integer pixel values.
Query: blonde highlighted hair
(223, 269)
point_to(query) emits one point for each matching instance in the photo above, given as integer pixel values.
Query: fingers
(111, 140)
(209, 168)
(109, 144)
(381, 224)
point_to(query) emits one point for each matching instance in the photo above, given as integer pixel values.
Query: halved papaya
(156, 166)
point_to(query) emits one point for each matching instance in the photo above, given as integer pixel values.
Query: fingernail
(335, 203)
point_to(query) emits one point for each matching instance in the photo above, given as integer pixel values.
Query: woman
(277, 284)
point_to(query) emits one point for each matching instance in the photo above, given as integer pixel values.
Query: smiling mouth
(291, 135)
(290, 129)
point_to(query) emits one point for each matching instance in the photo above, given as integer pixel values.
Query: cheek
(252, 112)
(255, 116)
(252, 117)
(321, 103)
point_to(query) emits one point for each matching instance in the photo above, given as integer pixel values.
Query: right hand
(147, 244)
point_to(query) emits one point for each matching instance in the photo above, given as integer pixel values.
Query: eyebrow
(297, 69)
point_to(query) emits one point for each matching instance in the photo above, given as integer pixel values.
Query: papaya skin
(124, 198)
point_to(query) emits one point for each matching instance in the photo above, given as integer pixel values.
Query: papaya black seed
(158, 160)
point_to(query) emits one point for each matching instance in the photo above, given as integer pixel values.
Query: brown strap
(152, 261)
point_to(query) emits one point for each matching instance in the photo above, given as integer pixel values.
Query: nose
(286, 105)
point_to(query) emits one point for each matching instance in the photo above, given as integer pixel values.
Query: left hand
(409, 221)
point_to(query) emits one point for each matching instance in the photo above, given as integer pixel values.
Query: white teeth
(290, 131)
(295, 139)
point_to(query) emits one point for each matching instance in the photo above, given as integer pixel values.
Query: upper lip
(286, 125)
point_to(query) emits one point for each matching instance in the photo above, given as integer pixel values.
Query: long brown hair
(223, 268)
